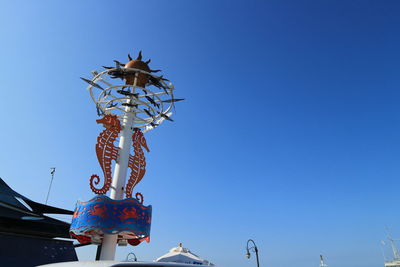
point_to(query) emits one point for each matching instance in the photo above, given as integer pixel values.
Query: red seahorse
(137, 163)
(106, 152)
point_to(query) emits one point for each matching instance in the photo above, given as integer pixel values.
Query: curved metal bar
(131, 253)
(253, 249)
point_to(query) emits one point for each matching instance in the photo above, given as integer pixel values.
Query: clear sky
(289, 133)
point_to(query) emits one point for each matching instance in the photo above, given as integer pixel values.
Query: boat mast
(322, 264)
(394, 249)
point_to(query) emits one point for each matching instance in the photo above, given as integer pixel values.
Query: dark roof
(9, 196)
(20, 215)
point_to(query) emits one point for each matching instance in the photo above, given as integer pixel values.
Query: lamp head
(248, 254)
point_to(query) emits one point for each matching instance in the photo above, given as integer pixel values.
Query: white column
(119, 178)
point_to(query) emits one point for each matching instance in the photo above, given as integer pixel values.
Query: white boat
(176, 257)
(395, 263)
(117, 264)
(183, 255)
(396, 257)
(321, 261)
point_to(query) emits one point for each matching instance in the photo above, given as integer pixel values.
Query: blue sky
(289, 133)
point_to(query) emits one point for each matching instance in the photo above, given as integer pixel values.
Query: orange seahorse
(106, 152)
(137, 163)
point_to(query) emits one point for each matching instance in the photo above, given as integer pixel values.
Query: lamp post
(130, 259)
(253, 249)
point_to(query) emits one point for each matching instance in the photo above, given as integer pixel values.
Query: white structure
(183, 255)
(392, 263)
(396, 257)
(321, 262)
(116, 264)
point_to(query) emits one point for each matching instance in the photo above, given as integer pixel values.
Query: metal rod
(258, 262)
(98, 251)
(52, 171)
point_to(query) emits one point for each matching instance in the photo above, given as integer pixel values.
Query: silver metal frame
(110, 101)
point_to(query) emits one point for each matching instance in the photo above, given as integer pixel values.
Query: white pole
(118, 184)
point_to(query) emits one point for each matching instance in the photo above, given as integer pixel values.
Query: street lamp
(130, 258)
(253, 249)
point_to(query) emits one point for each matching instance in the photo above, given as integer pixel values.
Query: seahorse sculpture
(106, 152)
(137, 163)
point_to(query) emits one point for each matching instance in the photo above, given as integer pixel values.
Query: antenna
(322, 264)
(52, 171)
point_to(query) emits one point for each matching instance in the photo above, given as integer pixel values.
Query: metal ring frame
(110, 101)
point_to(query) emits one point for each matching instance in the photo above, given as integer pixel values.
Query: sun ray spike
(139, 56)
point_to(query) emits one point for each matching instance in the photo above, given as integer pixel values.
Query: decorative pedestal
(103, 215)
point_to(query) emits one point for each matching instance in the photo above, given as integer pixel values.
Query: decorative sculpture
(137, 163)
(126, 116)
(129, 77)
(106, 151)
(101, 215)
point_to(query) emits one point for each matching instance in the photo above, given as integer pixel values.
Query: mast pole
(120, 170)
(394, 248)
(52, 171)
(322, 263)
